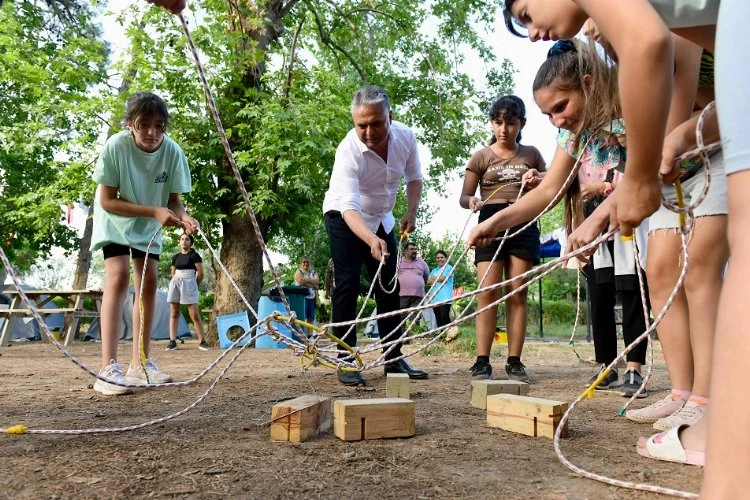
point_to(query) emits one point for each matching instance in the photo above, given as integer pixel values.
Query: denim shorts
(524, 245)
(715, 202)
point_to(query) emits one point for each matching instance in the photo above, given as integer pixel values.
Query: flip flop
(667, 446)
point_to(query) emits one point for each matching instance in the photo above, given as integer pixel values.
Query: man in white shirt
(358, 206)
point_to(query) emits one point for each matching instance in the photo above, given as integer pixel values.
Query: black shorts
(525, 245)
(116, 250)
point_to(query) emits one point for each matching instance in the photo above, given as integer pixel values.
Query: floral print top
(598, 151)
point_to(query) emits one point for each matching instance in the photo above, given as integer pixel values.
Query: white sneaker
(113, 372)
(136, 374)
(690, 414)
(659, 409)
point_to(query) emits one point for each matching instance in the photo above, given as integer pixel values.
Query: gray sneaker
(631, 382)
(517, 371)
(610, 381)
(481, 371)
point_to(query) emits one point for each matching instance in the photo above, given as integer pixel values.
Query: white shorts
(715, 202)
(183, 288)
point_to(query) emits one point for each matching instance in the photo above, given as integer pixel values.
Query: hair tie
(562, 47)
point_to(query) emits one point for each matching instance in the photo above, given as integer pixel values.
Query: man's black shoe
(401, 366)
(351, 378)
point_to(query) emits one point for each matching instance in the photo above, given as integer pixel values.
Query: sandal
(667, 446)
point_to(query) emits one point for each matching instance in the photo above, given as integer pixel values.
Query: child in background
(187, 274)
(140, 175)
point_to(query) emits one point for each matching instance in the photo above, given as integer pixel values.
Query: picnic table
(73, 312)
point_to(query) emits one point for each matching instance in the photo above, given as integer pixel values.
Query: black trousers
(442, 314)
(349, 253)
(602, 297)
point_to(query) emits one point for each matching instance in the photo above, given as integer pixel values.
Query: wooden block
(397, 385)
(358, 419)
(302, 418)
(525, 415)
(480, 389)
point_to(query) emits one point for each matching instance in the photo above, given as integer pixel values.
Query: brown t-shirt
(495, 172)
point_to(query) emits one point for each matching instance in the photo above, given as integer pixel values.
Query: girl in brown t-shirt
(498, 170)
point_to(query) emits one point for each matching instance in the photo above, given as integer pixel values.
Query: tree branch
(326, 39)
(292, 56)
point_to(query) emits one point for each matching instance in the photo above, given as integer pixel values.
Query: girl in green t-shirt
(140, 175)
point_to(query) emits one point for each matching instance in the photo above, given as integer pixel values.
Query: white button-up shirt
(363, 182)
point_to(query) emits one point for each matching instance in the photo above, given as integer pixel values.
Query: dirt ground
(218, 450)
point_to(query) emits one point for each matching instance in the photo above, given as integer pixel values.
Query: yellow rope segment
(680, 202)
(16, 429)
(311, 352)
(589, 393)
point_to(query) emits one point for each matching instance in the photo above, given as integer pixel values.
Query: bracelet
(607, 189)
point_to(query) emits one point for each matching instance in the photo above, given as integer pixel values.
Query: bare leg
(517, 305)
(116, 278)
(708, 252)
(148, 304)
(197, 321)
(728, 439)
(486, 322)
(174, 314)
(663, 270)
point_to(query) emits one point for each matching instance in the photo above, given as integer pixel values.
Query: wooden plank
(358, 419)
(480, 389)
(27, 312)
(525, 415)
(54, 293)
(300, 419)
(397, 385)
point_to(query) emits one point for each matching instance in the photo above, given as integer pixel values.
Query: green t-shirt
(141, 178)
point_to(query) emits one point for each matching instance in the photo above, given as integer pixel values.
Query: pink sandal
(667, 446)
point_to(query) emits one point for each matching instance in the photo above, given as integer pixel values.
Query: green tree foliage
(283, 74)
(50, 59)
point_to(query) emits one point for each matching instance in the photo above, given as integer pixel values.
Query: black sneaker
(610, 381)
(631, 382)
(481, 370)
(203, 346)
(171, 346)
(517, 371)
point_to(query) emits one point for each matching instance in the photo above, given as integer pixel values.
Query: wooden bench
(73, 312)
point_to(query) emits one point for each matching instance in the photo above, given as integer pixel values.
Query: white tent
(160, 327)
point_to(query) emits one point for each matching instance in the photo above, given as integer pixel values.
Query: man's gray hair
(370, 95)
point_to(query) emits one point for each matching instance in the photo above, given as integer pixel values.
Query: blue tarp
(550, 248)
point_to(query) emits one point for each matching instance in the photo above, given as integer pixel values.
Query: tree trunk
(240, 250)
(243, 259)
(81, 276)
